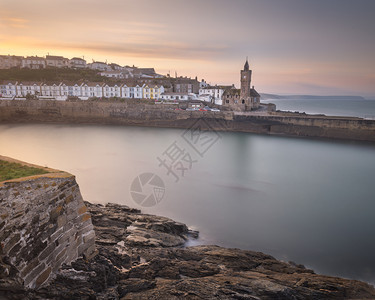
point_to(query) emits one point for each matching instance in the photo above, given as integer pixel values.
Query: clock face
(244, 77)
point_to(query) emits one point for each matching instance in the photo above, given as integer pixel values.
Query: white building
(91, 90)
(113, 74)
(100, 66)
(84, 91)
(203, 84)
(111, 91)
(64, 90)
(77, 63)
(206, 98)
(48, 91)
(116, 67)
(138, 91)
(10, 61)
(8, 89)
(76, 90)
(33, 62)
(57, 61)
(127, 91)
(215, 92)
(176, 97)
(27, 88)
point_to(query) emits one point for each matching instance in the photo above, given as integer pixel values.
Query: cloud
(170, 50)
(17, 23)
(8, 20)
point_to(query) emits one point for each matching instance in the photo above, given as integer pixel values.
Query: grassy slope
(10, 170)
(51, 75)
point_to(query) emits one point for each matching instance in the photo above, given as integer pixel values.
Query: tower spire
(246, 66)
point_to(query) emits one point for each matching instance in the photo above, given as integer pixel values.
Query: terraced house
(27, 88)
(8, 89)
(82, 90)
(152, 91)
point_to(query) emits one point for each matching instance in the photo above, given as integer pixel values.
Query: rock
(134, 285)
(142, 257)
(149, 237)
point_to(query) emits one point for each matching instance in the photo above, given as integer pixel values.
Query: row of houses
(84, 91)
(108, 70)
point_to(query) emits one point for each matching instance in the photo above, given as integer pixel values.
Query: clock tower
(245, 84)
(245, 98)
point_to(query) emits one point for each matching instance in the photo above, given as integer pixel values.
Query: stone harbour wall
(266, 122)
(43, 224)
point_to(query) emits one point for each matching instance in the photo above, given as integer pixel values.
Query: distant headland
(265, 96)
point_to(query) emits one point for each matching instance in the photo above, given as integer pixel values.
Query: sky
(321, 47)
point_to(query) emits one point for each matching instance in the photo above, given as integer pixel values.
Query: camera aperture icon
(147, 189)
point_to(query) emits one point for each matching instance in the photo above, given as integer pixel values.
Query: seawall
(43, 224)
(87, 112)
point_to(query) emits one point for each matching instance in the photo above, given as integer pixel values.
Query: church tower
(245, 98)
(245, 84)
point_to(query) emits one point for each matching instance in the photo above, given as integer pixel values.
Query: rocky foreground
(142, 257)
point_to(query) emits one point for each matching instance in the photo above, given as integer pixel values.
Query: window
(243, 101)
(226, 101)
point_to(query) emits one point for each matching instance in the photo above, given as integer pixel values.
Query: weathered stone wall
(97, 112)
(43, 224)
(166, 116)
(308, 126)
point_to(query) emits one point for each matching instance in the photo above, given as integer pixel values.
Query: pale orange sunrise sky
(294, 46)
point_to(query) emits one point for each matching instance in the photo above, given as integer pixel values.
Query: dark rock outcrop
(143, 257)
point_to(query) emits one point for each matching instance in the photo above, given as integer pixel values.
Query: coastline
(126, 254)
(152, 115)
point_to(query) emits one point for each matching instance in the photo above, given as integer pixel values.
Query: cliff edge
(44, 223)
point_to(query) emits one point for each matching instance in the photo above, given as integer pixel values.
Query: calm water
(309, 201)
(329, 107)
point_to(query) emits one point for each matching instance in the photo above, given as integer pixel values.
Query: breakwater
(123, 113)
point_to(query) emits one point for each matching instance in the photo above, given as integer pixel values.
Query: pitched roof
(6, 82)
(35, 58)
(55, 57)
(254, 93)
(29, 83)
(221, 87)
(232, 92)
(77, 58)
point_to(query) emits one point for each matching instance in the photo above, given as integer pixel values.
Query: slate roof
(254, 93)
(55, 57)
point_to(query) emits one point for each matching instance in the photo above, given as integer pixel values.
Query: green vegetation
(10, 170)
(51, 75)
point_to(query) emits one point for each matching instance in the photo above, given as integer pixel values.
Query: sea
(309, 201)
(363, 108)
